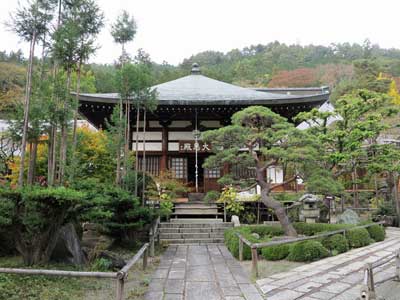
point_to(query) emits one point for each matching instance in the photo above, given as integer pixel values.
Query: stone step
(197, 212)
(185, 236)
(197, 220)
(196, 225)
(195, 205)
(193, 230)
(192, 241)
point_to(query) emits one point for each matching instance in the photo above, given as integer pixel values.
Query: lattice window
(178, 167)
(152, 165)
(239, 172)
(212, 173)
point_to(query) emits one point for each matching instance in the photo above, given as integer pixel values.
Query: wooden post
(152, 241)
(240, 249)
(254, 261)
(371, 284)
(120, 288)
(224, 212)
(145, 257)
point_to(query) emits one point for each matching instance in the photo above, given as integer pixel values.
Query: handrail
(367, 291)
(120, 276)
(255, 246)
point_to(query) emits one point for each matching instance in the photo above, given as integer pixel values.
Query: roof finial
(196, 69)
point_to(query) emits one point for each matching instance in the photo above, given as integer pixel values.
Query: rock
(348, 217)
(235, 221)
(255, 235)
(68, 247)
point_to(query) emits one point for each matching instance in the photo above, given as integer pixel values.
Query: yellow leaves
(394, 93)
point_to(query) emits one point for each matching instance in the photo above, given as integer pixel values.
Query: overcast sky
(172, 30)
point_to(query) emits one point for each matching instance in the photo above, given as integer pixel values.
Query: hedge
(336, 243)
(307, 251)
(358, 237)
(377, 232)
(277, 252)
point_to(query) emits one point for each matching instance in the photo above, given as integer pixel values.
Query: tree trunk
(144, 159)
(28, 91)
(118, 152)
(137, 147)
(64, 132)
(74, 135)
(276, 206)
(51, 163)
(32, 162)
(396, 195)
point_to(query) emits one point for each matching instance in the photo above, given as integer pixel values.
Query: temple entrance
(192, 173)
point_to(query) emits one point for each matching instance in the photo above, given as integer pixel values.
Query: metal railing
(121, 276)
(255, 246)
(368, 291)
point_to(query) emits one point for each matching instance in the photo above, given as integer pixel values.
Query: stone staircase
(196, 209)
(193, 231)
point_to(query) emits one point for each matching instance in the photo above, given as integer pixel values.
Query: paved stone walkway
(204, 272)
(335, 278)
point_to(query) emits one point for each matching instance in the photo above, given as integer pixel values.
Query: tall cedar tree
(30, 23)
(258, 139)
(134, 84)
(123, 31)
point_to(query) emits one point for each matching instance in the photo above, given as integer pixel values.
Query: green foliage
(229, 197)
(358, 237)
(212, 196)
(277, 252)
(124, 29)
(116, 209)
(336, 243)
(322, 182)
(34, 216)
(231, 241)
(307, 251)
(101, 265)
(377, 232)
(310, 229)
(166, 206)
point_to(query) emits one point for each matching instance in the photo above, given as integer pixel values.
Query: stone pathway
(334, 278)
(200, 272)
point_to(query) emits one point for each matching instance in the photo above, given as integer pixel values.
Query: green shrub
(307, 251)
(336, 243)
(211, 196)
(232, 243)
(377, 233)
(358, 237)
(310, 229)
(277, 252)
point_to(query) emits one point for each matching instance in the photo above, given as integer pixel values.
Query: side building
(188, 106)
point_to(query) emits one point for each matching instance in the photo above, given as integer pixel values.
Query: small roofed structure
(195, 102)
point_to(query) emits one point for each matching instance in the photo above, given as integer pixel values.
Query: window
(212, 173)
(152, 165)
(178, 167)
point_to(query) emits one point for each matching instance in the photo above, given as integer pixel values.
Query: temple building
(188, 106)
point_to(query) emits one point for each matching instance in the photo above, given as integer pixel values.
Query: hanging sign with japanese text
(190, 147)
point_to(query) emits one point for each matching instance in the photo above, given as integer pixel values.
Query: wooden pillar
(164, 145)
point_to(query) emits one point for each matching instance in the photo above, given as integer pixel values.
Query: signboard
(190, 147)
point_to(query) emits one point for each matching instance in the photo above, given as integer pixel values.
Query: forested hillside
(272, 65)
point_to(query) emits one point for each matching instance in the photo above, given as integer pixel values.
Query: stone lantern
(310, 211)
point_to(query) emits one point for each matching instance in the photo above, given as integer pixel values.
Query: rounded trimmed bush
(307, 251)
(358, 237)
(336, 243)
(277, 252)
(377, 232)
